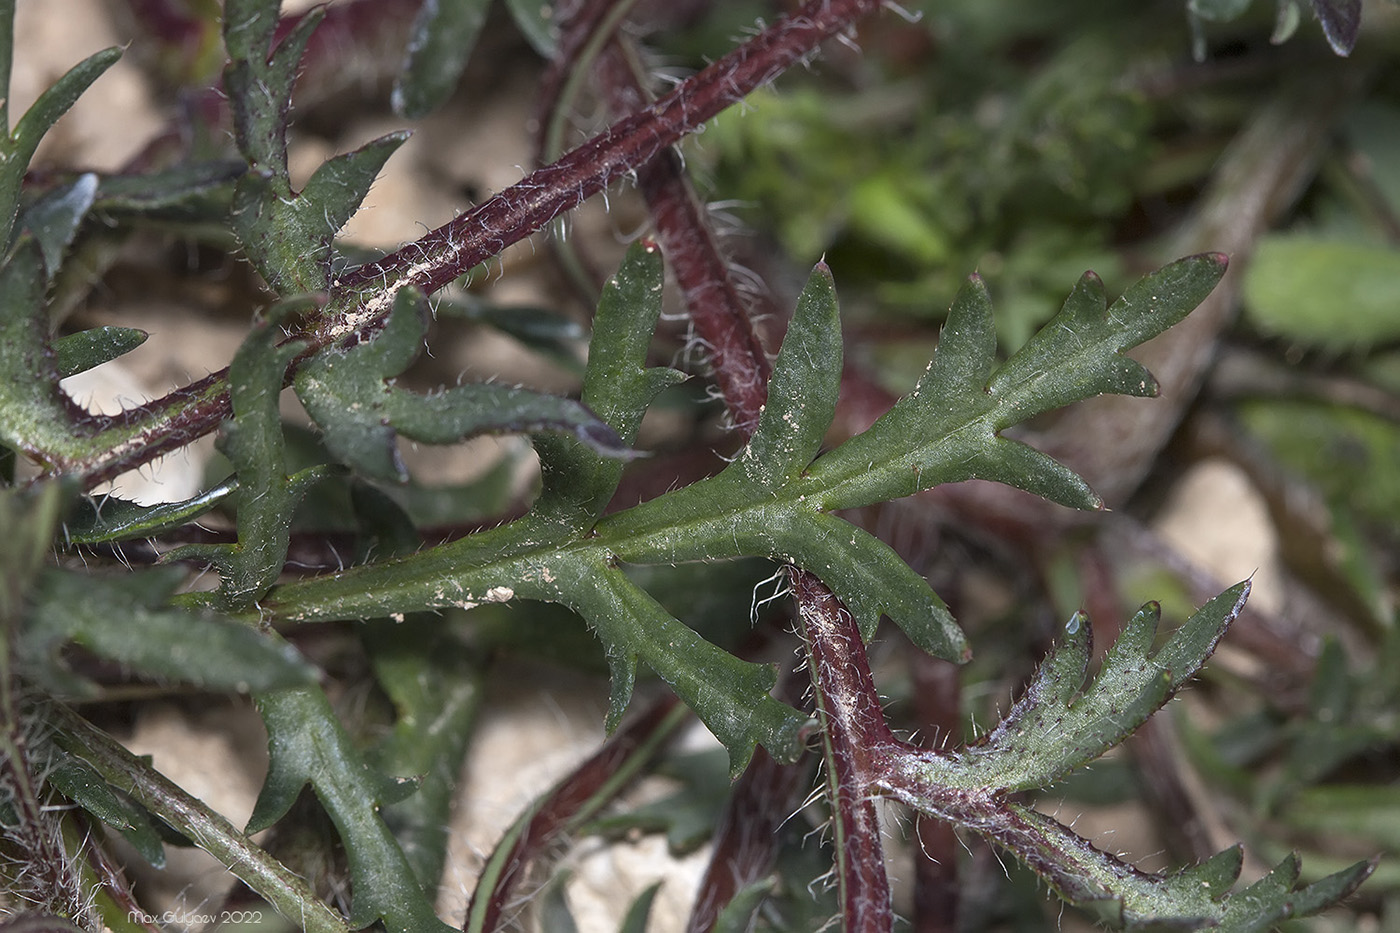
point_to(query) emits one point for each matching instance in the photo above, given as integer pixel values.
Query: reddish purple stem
(362, 298)
(527, 206)
(854, 730)
(559, 811)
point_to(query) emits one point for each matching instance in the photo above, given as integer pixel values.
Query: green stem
(284, 891)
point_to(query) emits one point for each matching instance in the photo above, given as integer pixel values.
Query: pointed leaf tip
(1341, 23)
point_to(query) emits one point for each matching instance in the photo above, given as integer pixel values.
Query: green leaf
(617, 385)
(248, 28)
(635, 921)
(100, 520)
(1365, 811)
(946, 430)
(729, 695)
(737, 916)
(18, 147)
(1059, 724)
(53, 220)
(331, 197)
(535, 20)
(85, 787)
(434, 683)
(1222, 11)
(307, 745)
(555, 914)
(29, 517)
(7, 57)
(77, 353)
(1054, 727)
(287, 234)
(802, 392)
(127, 619)
(1195, 898)
(1275, 897)
(193, 190)
(39, 419)
(350, 395)
(1341, 23)
(441, 42)
(259, 80)
(776, 501)
(37, 415)
(535, 326)
(266, 496)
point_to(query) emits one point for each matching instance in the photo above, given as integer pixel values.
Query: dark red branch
(745, 844)
(446, 253)
(560, 810)
(854, 730)
(836, 653)
(720, 314)
(527, 206)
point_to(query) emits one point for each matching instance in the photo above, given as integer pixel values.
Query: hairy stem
(853, 731)
(281, 888)
(742, 369)
(571, 803)
(360, 300)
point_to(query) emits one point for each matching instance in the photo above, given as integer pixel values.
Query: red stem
(721, 317)
(559, 811)
(362, 298)
(854, 730)
(836, 653)
(527, 206)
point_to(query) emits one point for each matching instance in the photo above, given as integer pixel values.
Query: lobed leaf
(946, 429)
(307, 745)
(306, 224)
(617, 385)
(1195, 898)
(350, 395)
(1276, 896)
(128, 620)
(286, 234)
(266, 496)
(774, 500)
(729, 695)
(1058, 724)
(281, 888)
